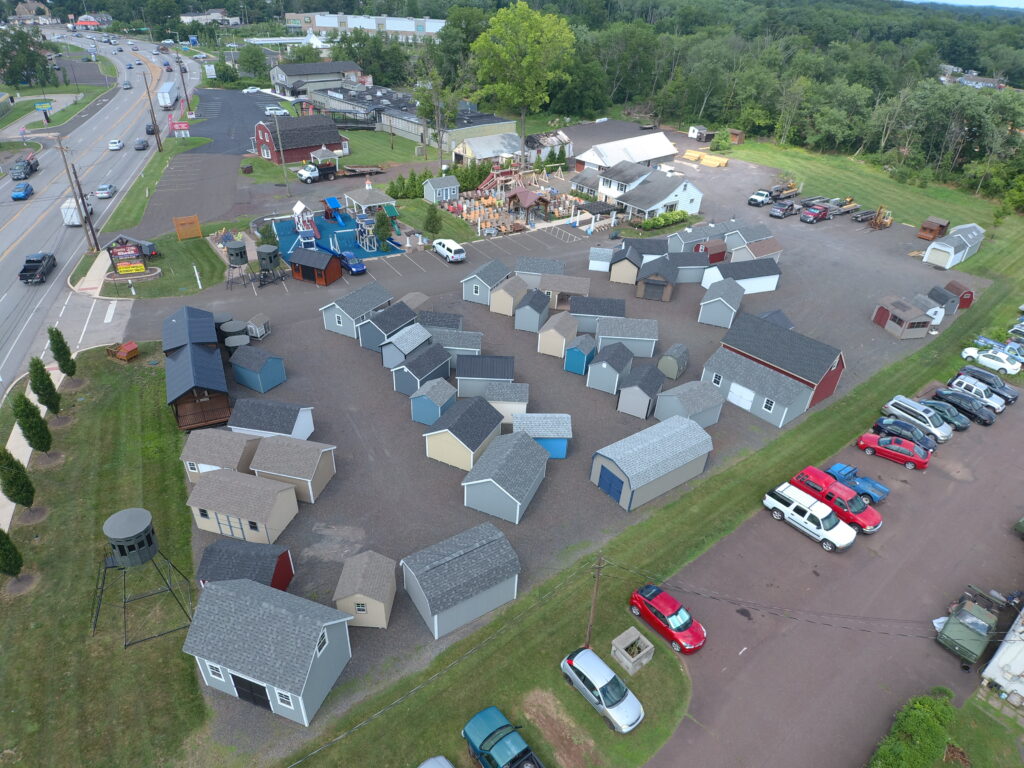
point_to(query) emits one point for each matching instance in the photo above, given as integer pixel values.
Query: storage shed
(690, 267)
(579, 353)
(560, 288)
(532, 268)
(474, 372)
(720, 304)
(307, 465)
(188, 325)
(949, 302)
(552, 431)
(960, 244)
(258, 369)
(608, 368)
(272, 649)
(508, 399)
(625, 265)
(531, 311)
(901, 318)
(312, 266)
(458, 342)
(266, 417)
(242, 506)
(441, 189)
(503, 482)
(227, 559)
(402, 344)
(460, 579)
(589, 309)
(431, 320)
(382, 325)
(673, 361)
(656, 279)
(196, 387)
(208, 449)
(428, 362)
(965, 296)
(651, 462)
(770, 248)
(758, 276)
(556, 335)
(638, 391)
(697, 400)
(600, 259)
(638, 334)
(463, 433)
(431, 400)
(346, 313)
(478, 284)
(507, 294)
(366, 589)
(932, 228)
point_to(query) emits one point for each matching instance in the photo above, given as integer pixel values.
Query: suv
(968, 405)
(920, 415)
(449, 250)
(24, 167)
(886, 425)
(273, 110)
(810, 517)
(980, 390)
(997, 385)
(846, 502)
(949, 414)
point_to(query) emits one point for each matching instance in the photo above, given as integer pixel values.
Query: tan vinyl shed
(507, 294)
(366, 589)
(557, 334)
(242, 506)
(206, 450)
(307, 465)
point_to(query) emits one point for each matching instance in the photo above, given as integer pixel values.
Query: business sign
(43, 106)
(125, 251)
(178, 126)
(130, 267)
(193, 40)
(211, 71)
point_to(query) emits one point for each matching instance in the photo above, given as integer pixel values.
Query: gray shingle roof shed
(507, 392)
(251, 358)
(512, 462)
(425, 359)
(727, 290)
(647, 246)
(535, 300)
(441, 182)
(744, 270)
(462, 566)
(615, 355)
(765, 381)
(393, 318)
(646, 377)
(679, 353)
(941, 296)
(485, 367)
(594, 305)
(753, 232)
(800, 355)
(227, 559)
(627, 328)
(265, 415)
(188, 326)
(543, 425)
(696, 396)
(491, 273)
(307, 257)
(259, 631)
(193, 366)
(438, 391)
(367, 573)
(470, 421)
(585, 343)
(538, 265)
(282, 455)
(410, 337)
(449, 320)
(653, 452)
(454, 339)
(663, 267)
(363, 300)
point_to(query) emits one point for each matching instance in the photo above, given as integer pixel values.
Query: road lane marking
(85, 325)
(741, 652)
(110, 312)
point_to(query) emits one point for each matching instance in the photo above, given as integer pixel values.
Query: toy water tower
(270, 261)
(131, 544)
(238, 264)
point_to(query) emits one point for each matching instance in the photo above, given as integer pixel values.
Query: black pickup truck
(24, 167)
(37, 267)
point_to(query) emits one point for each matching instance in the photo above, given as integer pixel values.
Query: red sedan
(898, 449)
(667, 616)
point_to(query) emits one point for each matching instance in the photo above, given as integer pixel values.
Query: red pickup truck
(848, 505)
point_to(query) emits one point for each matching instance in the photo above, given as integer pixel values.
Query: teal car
(22, 191)
(495, 743)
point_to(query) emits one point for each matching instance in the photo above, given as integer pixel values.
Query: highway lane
(36, 224)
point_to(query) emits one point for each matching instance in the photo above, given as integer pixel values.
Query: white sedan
(115, 144)
(990, 358)
(251, 89)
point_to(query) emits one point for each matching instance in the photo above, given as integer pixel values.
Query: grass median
(61, 116)
(414, 213)
(132, 206)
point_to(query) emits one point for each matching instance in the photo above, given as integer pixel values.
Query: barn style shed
(651, 462)
(506, 295)
(258, 369)
(431, 400)
(460, 579)
(366, 589)
(508, 398)
(402, 344)
(589, 309)
(608, 368)
(697, 400)
(312, 266)
(673, 361)
(960, 244)
(552, 431)
(463, 433)
(304, 464)
(474, 372)
(720, 304)
(758, 276)
(208, 449)
(227, 559)
(458, 342)
(962, 292)
(428, 362)
(478, 284)
(531, 311)
(503, 482)
(639, 335)
(266, 417)
(901, 318)
(382, 325)
(242, 506)
(579, 353)
(272, 649)
(345, 314)
(556, 335)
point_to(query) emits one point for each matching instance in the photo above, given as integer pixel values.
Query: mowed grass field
(414, 213)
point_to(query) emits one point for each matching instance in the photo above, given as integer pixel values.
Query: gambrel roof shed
(653, 452)
(802, 356)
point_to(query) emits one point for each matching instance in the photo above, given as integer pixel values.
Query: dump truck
(318, 172)
(971, 624)
(69, 212)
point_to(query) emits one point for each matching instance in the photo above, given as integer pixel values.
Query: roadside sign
(179, 126)
(193, 40)
(211, 72)
(130, 267)
(43, 106)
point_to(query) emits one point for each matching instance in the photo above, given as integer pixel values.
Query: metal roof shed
(589, 309)
(651, 462)
(460, 579)
(552, 431)
(638, 335)
(504, 481)
(366, 589)
(475, 372)
(188, 326)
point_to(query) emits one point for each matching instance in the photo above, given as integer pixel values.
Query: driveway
(785, 680)
(230, 119)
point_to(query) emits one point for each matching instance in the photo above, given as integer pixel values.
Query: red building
(227, 559)
(299, 136)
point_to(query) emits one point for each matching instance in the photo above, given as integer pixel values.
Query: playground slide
(326, 248)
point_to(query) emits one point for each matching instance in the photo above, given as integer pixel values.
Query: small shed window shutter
(321, 643)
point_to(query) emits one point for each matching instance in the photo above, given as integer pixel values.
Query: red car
(667, 616)
(898, 449)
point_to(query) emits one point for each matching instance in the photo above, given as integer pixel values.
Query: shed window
(265, 151)
(191, 466)
(205, 514)
(338, 320)
(360, 607)
(769, 404)
(215, 671)
(716, 379)
(321, 643)
(476, 290)
(285, 699)
(253, 525)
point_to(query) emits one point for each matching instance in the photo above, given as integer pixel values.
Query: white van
(921, 416)
(449, 250)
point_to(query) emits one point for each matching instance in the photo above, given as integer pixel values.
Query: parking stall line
(390, 265)
(414, 262)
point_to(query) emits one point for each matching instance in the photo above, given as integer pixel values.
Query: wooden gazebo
(525, 200)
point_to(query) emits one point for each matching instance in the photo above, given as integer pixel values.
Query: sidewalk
(92, 283)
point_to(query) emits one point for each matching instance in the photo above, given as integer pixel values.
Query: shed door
(966, 299)
(740, 396)
(653, 291)
(610, 483)
(308, 274)
(252, 692)
(229, 526)
(881, 316)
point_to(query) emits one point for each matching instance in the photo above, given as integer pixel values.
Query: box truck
(69, 210)
(167, 95)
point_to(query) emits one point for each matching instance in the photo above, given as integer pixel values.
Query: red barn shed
(227, 559)
(965, 294)
(299, 137)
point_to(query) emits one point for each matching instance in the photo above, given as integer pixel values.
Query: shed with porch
(196, 387)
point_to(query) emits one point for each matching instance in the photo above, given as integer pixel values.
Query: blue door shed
(255, 368)
(431, 400)
(552, 431)
(579, 354)
(610, 483)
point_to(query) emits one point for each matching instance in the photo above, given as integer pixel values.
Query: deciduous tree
(251, 61)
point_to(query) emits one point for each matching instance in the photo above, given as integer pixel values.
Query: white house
(649, 149)
(643, 192)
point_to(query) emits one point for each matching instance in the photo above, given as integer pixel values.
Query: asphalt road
(36, 224)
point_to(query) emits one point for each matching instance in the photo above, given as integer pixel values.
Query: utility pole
(598, 565)
(152, 114)
(76, 193)
(184, 87)
(280, 146)
(88, 216)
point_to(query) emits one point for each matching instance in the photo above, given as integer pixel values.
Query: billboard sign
(211, 72)
(130, 267)
(178, 126)
(125, 252)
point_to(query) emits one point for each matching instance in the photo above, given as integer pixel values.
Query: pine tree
(396, 187)
(14, 480)
(432, 222)
(412, 184)
(41, 383)
(382, 229)
(61, 352)
(560, 158)
(10, 557)
(33, 427)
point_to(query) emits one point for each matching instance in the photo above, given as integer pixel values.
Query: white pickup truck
(811, 517)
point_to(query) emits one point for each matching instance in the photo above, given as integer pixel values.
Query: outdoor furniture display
(123, 353)
(258, 326)
(219, 318)
(236, 341)
(233, 328)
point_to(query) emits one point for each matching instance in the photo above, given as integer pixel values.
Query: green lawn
(81, 270)
(633, 232)
(7, 420)
(68, 695)
(414, 213)
(133, 201)
(990, 739)
(61, 116)
(178, 278)
(266, 172)
(25, 104)
(374, 148)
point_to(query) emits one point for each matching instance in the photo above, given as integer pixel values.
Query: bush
(721, 142)
(10, 557)
(919, 733)
(665, 220)
(267, 234)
